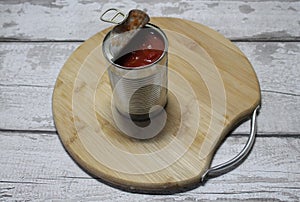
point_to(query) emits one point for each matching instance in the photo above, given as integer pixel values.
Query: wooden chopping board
(212, 87)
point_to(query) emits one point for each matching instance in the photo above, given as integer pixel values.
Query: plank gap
(26, 85)
(28, 131)
(283, 40)
(19, 182)
(259, 135)
(268, 135)
(16, 40)
(280, 92)
(10, 40)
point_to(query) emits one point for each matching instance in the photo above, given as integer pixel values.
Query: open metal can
(138, 77)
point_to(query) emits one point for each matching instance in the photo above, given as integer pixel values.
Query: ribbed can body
(139, 93)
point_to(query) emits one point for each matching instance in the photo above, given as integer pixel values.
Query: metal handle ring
(116, 14)
(222, 168)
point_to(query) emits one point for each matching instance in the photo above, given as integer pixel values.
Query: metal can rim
(166, 43)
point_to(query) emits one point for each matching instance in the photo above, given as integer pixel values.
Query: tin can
(139, 92)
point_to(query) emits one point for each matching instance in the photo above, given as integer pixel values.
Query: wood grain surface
(33, 163)
(212, 87)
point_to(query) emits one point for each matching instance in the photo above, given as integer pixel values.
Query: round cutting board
(211, 87)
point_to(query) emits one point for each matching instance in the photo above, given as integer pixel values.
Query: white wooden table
(36, 37)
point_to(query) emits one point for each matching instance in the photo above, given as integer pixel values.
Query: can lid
(125, 30)
(112, 15)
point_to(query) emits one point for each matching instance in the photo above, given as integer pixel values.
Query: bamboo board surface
(212, 87)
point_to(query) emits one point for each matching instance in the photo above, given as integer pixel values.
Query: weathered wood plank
(38, 64)
(27, 79)
(26, 108)
(276, 65)
(35, 166)
(30, 108)
(71, 20)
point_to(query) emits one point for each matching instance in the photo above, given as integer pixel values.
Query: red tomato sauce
(144, 49)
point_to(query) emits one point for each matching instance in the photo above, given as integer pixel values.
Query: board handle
(224, 167)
